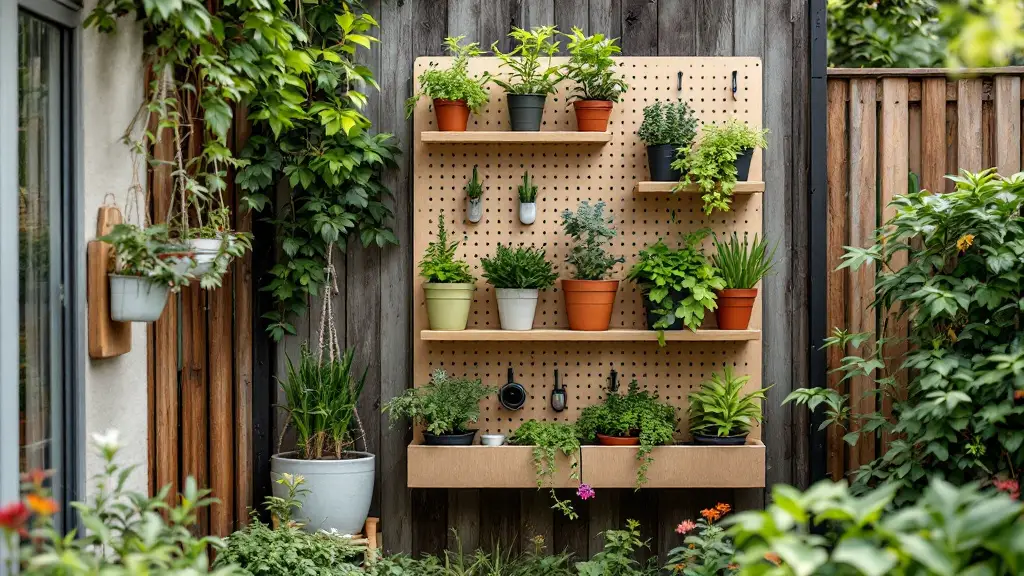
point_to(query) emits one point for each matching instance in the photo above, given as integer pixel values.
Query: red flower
(685, 526)
(1011, 487)
(14, 516)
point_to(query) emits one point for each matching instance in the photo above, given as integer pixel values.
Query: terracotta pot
(452, 115)
(592, 115)
(734, 307)
(589, 303)
(604, 440)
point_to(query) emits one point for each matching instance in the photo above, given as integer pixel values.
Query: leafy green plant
(589, 230)
(528, 75)
(281, 507)
(680, 283)
(591, 67)
(548, 439)
(635, 414)
(139, 253)
(712, 162)
(706, 550)
(455, 83)
(264, 551)
(520, 267)
(447, 405)
(743, 265)
(439, 264)
(668, 123)
(321, 396)
(617, 556)
(720, 408)
(527, 190)
(885, 34)
(474, 189)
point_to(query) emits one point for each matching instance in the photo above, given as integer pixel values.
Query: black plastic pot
(525, 111)
(659, 160)
(652, 317)
(743, 164)
(464, 439)
(702, 440)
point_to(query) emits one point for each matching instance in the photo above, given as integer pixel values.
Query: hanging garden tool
(558, 397)
(512, 396)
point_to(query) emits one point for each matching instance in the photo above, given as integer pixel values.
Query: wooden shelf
(617, 335)
(750, 187)
(603, 467)
(510, 137)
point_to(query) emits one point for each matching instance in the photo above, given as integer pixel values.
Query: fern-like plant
(455, 83)
(527, 190)
(521, 267)
(447, 405)
(711, 164)
(590, 231)
(743, 264)
(720, 408)
(439, 265)
(548, 439)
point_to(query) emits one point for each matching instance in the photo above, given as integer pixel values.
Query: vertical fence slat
(969, 95)
(536, 519)
(933, 133)
(242, 347)
(464, 519)
(1007, 127)
(838, 184)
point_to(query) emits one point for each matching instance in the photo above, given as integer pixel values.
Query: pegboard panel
(566, 174)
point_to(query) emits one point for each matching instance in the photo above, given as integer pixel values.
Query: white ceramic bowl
(492, 439)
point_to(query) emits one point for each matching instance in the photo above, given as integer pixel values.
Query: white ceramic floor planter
(339, 490)
(527, 212)
(476, 209)
(136, 299)
(516, 308)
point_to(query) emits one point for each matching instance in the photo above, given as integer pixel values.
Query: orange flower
(710, 514)
(964, 242)
(733, 566)
(723, 508)
(42, 505)
(773, 558)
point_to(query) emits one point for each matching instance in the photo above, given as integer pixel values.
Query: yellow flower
(952, 335)
(964, 242)
(41, 505)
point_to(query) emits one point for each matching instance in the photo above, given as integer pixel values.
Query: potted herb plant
(678, 285)
(445, 407)
(636, 418)
(518, 274)
(548, 439)
(143, 278)
(530, 81)
(527, 200)
(667, 127)
(589, 298)
(320, 404)
(720, 159)
(474, 195)
(455, 93)
(449, 284)
(598, 84)
(742, 265)
(720, 414)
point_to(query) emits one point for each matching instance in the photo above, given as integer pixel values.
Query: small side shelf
(619, 335)
(510, 137)
(748, 187)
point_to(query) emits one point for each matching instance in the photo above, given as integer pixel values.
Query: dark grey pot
(652, 317)
(743, 164)
(659, 161)
(464, 439)
(525, 111)
(703, 440)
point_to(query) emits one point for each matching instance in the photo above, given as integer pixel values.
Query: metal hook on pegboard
(679, 81)
(735, 85)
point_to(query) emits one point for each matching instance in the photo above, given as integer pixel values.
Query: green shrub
(262, 551)
(885, 34)
(711, 164)
(589, 230)
(455, 83)
(439, 264)
(617, 556)
(743, 265)
(447, 405)
(720, 408)
(547, 440)
(591, 67)
(520, 267)
(528, 75)
(668, 123)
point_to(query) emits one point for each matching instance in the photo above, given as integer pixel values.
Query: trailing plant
(474, 189)
(138, 253)
(636, 414)
(711, 164)
(591, 67)
(439, 264)
(706, 549)
(589, 230)
(548, 439)
(320, 399)
(520, 267)
(743, 265)
(617, 556)
(720, 408)
(528, 75)
(281, 507)
(680, 283)
(447, 405)
(527, 190)
(264, 551)
(455, 83)
(668, 123)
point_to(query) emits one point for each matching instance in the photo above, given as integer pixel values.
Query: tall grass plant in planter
(527, 200)
(721, 158)
(455, 93)
(518, 274)
(446, 407)
(532, 76)
(720, 413)
(667, 128)
(320, 403)
(146, 272)
(742, 265)
(449, 284)
(589, 298)
(474, 197)
(598, 84)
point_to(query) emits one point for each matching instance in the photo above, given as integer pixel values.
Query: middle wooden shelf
(614, 335)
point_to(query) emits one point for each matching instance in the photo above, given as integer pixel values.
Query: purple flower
(585, 492)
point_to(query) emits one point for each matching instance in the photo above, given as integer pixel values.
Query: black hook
(679, 81)
(613, 385)
(735, 85)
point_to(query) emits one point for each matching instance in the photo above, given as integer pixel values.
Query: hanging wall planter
(136, 299)
(205, 251)
(474, 198)
(527, 212)
(525, 111)
(527, 200)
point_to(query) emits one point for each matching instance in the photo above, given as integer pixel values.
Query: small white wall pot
(492, 439)
(527, 212)
(136, 299)
(339, 490)
(516, 307)
(476, 209)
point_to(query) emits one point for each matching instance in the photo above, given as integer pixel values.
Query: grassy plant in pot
(518, 274)
(720, 159)
(527, 200)
(548, 439)
(589, 298)
(475, 198)
(678, 286)
(667, 127)
(530, 80)
(720, 413)
(143, 277)
(742, 265)
(598, 84)
(445, 407)
(320, 403)
(449, 284)
(454, 92)
(636, 418)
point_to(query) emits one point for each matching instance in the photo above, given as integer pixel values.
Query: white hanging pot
(136, 299)
(181, 262)
(476, 209)
(516, 307)
(527, 212)
(206, 251)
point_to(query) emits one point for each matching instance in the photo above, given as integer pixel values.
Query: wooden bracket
(106, 337)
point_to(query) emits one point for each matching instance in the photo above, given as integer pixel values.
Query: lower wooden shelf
(680, 466)
(613, 335)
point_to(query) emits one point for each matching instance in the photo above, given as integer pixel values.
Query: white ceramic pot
(339, 490)
(516, 307)
(206, 251)
(476, 209)
(492, 439)
(136, 299)
(527, 212)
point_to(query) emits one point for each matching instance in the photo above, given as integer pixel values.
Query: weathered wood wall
(882, 125)
(374, 305)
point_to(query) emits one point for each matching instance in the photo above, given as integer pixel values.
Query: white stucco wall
(112, 91)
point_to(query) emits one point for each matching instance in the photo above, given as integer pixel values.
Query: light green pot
(448, 305)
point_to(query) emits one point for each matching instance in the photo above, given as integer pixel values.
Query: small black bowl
(463, 439)
(703, 440)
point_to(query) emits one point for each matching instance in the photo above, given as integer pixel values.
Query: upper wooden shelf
(617, 335)
(747, 187)
(510, 137)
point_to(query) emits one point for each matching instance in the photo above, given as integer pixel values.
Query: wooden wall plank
(497, 17)
(639, 28)
(837, 280)
(969, 122)
(535, 13)
(570, 13)
(464, 19)
(536, 519)
(749, 24)
(464, 518)
(604, 515)
(606, 18)
(952, 142)
(430, 529)
(715, 32)
(677, 27)
(242, 347)
(642, 506)
(674, 506)
(988, 135)
(1007, 124)
(499, 518)
(194, 392)
(933, 133)
(572, 535)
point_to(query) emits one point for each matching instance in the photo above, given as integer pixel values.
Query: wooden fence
(883, 125)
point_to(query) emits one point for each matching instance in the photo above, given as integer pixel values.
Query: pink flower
(685, 526)
(1011, 487)
(585, 492)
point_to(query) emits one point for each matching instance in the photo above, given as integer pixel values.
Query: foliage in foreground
(288, 549)
(617, 556)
